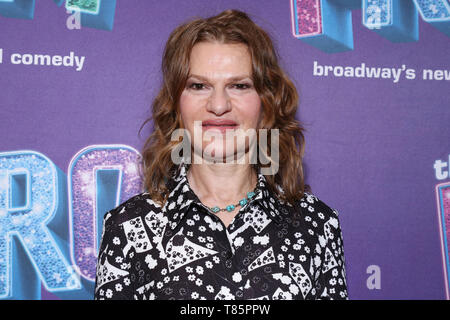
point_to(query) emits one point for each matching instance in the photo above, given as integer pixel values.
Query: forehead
(213, 58)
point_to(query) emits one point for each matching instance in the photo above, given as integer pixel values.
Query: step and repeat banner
(77, 78)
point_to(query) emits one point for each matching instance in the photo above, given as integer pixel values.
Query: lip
(218, 122)
(219, 125)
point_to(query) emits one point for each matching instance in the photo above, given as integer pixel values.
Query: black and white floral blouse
(271, 250)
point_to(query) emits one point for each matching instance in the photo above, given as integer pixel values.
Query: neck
(221, 184)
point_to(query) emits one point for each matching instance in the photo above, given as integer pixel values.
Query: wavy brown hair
(278, 96)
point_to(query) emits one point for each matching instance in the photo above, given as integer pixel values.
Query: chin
(219, 154)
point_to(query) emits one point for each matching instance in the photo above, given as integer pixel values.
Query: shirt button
(227, 254)
(239, 294)
(264, 287)
(228, 263)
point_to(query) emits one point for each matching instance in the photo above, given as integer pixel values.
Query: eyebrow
(235, 78)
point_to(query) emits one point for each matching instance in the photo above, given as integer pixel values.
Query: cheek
(251, 110)
(188, 109)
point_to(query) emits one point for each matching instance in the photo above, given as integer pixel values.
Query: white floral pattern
(271, 249)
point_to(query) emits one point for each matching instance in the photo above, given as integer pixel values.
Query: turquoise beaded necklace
(231, 207)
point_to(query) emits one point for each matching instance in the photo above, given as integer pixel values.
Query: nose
(219, 102)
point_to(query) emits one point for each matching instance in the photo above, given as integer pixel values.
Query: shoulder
(320, 220)
(316, 209)
(138, 206)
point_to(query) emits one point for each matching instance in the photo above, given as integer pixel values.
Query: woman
(218, 228)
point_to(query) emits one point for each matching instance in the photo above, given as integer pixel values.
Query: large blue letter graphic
(39, 237)
(327, 24)
(436, 13)
(97, 14)
(31, 205)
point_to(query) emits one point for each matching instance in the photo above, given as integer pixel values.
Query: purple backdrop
(370, 143)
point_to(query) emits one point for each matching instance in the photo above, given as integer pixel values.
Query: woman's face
(220, 100)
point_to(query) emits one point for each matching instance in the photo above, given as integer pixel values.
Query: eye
(241, 86)
(196, 86)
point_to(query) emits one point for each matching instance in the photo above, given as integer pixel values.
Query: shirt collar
(181, 197)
